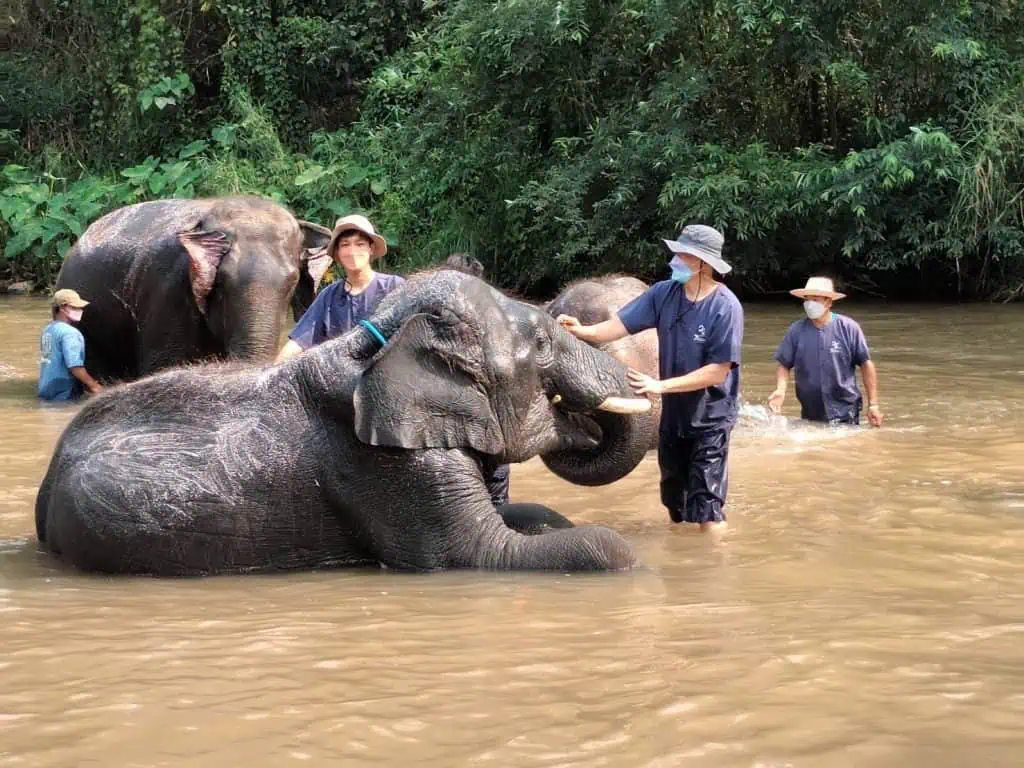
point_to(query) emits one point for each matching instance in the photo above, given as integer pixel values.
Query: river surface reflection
(864, 609)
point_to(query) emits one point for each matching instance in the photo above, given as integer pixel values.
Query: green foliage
(552, 138)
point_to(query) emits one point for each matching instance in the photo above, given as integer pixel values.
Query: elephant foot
(532, 519)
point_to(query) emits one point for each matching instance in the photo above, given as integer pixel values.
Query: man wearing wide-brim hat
(824, 349)
(343, 304)
(700, 332)
(62, 373)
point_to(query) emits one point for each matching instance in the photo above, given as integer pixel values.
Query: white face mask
(815, 309)
(74, 315)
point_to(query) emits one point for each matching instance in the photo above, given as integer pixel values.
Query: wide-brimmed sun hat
(703, 242)
(818, 286)
(359, 224)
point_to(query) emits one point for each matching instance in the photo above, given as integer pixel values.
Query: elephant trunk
(583, 548)
(610, 410)
(625, 439)
(255, 338)
(568, 549)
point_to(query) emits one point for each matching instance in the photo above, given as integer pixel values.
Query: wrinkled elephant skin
(178, 281)
(592, 301)
(347, 454)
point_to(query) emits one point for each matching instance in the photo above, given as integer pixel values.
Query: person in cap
(496, 477)
(700, 332)
(341, 305)
(62, 373)
(824, 349)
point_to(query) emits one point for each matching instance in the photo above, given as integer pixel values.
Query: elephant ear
(206, 250)
(315, 259)
(428, 390)
(316, 264)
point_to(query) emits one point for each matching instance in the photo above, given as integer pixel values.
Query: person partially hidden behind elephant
(342, 305)
(700, 333)
(62, 373)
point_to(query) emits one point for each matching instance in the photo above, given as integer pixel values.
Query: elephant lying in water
(349, 453)
(178, 281)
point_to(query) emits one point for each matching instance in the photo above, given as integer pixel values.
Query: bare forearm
(611, 329)
(88, 381)
(781, 379)
(711, 375)
(869, 373)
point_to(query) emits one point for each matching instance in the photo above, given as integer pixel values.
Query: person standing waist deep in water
(700, 333)
(824, 350)
(340, 306)
(62, 373)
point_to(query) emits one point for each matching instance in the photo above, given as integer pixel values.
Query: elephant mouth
(599, 445)
(588, 428)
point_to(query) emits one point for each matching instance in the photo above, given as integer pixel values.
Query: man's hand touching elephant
(643, 384)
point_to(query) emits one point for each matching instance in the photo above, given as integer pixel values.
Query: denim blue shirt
(692, 334)
(824, 362)
(335, 311)
(61, 348)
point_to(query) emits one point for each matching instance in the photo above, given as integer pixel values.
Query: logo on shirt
(701, 335)
(46, 349)
(835, 349)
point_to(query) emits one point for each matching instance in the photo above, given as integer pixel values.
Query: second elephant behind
(595, 299)
(179, 281)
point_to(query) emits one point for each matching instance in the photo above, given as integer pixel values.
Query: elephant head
(248, 258)
(468, 368)
(594, 300)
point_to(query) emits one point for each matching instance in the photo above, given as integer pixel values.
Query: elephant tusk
(556, 399)
(627, 405)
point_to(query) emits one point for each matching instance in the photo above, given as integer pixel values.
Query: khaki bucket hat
(359, 224)
(66, 297)
(818, 286)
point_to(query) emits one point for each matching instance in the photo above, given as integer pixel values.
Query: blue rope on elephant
(374, 331)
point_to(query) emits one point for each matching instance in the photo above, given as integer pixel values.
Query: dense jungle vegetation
(882, 143)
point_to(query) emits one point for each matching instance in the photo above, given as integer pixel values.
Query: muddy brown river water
(866, 607)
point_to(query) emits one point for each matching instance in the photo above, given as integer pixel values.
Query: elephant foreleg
(453, 523)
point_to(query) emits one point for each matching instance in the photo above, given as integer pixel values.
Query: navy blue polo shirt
(692, 334)
(335, 311)
(823, 361)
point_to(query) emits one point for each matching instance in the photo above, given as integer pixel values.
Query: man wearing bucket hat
(824, 349)
(700, 332)
(62, 373)
(340, 306)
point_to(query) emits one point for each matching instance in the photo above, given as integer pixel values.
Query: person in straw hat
(62, 373)
(700, 332)
(341, 305)
(824, 349)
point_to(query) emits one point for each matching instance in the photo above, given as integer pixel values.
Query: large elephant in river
(595, 299)
(350, 453)
(178, 281)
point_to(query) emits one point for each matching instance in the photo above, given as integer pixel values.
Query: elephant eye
(542, 343)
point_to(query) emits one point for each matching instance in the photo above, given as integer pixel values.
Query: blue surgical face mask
(680, 272)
